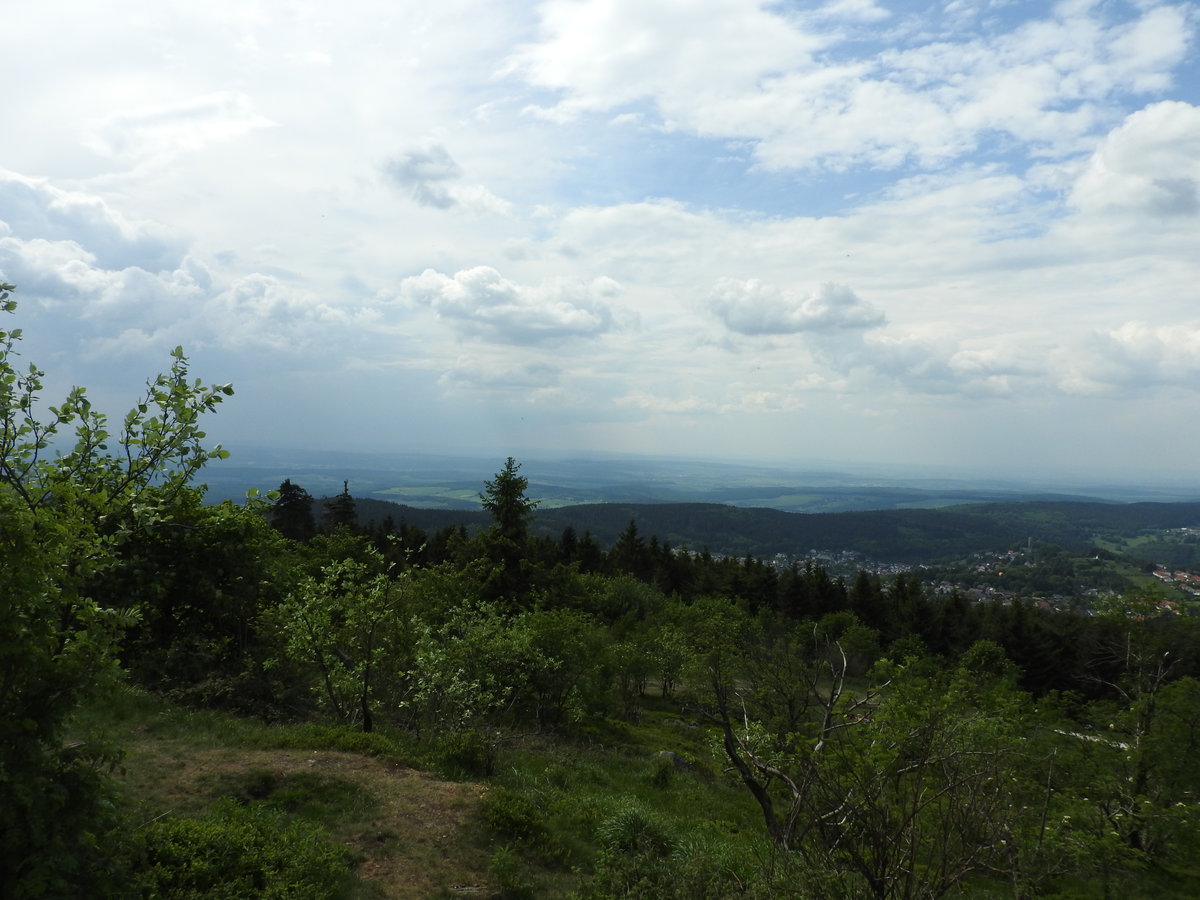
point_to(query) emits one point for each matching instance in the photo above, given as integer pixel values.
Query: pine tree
(340, 511)
(504, 497)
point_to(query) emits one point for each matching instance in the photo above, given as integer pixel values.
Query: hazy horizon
(654, 478)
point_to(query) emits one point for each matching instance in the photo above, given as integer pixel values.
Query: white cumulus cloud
(1150, 164)
(481, 301)
(36, 209)
(808, 93)
(754, 308)
(1137, 355)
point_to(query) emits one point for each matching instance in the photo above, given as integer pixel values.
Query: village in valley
(1019, 574)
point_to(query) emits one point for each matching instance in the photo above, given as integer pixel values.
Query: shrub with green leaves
(67, 505)
(237, 852)
(513, 815)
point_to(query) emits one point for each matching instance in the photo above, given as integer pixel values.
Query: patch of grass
(310, 736)
(547, 807)
(564, 806)
(327, 800)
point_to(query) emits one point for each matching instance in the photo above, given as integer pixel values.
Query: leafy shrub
(512, 815)
(237, 852)
(57, 818)
(662, 776)
(707, 867)
(696, 870)
(471, 754)
(505, 870)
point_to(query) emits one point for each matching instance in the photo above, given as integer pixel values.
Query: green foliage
(505, 870)
(321, 799)
(201, 585)
(469, 753)
(236, 852)
(505, 544)
(640, 858)
(504, 498)
(633, 830)
(67, 505)
(483, 669)
(340, 511)
(906, 789)
(513, 815)
(349, 624)
(292, 512)
(664, 773)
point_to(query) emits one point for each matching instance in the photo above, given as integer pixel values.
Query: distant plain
(454, 482)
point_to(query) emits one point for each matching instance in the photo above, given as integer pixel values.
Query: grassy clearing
(412, 834)
(555, 809)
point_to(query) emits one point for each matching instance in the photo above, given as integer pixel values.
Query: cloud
(938, 364)
(1137, 355)
(170, 129)
(735, 399)
(1149, 164)
(531, 380)
(430, 175)
(480, 301)
(853, 11)
(103, 311)
(607, 53)
(262, 311)
(65, 274)
(426, 174)
(690, 403)
(35, 209)
(118, 285)
(753, 308)
(114, 312)
(809, 93)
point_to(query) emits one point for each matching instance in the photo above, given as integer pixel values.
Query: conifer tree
(340, 511)
(504, 497)
(507, 541)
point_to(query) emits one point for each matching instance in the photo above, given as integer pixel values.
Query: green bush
(57, 824)
(662, 776)
(469, 753)
(512, 815)
(507, 879)
(237, 852)
(633, 830)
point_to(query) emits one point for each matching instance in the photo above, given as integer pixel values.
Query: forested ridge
(903, 535)
(643, 722)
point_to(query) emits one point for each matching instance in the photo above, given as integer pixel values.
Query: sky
(949, 234)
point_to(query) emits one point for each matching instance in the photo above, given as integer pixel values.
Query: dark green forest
(924, 536)
(639, 722)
